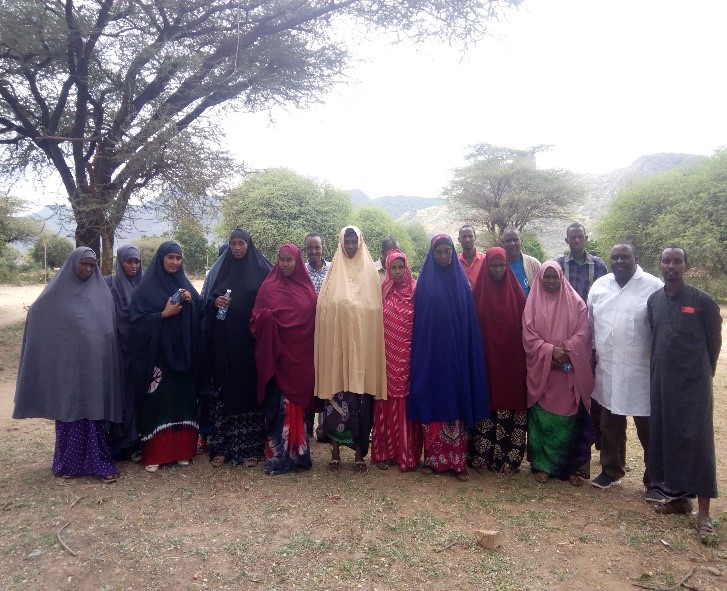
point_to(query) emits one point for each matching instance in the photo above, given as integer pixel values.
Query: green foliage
(502, 186)
(193, 240)
(421, 239)
(376, 225)
(278, 206)
(52, 250)
(14, 228)
(148, 245)
(532, 246)
(686, 206)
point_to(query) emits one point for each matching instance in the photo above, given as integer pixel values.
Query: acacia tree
(14, 228)
(502, 186)
(113, 95)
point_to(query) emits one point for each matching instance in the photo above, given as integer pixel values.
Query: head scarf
(557, 320)
(122, 287)
(177, 338)
(69, 363)
(349, 336)
(447, 363)
(229, 342)
(499, 306)
(283, 323)
(398, 323)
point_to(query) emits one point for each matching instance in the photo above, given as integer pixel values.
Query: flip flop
(334, 465)
(576, 480)
(217, 461)
(360, 468)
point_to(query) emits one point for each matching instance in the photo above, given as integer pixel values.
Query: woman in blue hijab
(448, 385)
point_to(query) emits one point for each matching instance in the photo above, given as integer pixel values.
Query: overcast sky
(603, 82)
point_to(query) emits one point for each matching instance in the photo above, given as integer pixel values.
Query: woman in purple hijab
(69, 368)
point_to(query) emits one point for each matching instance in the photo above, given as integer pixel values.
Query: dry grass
(235, 528)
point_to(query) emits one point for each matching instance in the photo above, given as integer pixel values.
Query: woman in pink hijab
(557, 341)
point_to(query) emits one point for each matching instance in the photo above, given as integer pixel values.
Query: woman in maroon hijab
(283, 324)
(498, 443)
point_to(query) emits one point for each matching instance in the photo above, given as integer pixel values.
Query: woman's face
(131, 266)
(497, 268)
(350, 244)
(551, 280)
(443, 255)
(172, 262)
(238, 248)
(286, 262)
(396, 270)
(86, 268)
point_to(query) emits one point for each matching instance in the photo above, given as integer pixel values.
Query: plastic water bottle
(222, 312)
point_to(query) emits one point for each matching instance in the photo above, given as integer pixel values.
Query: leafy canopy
(687, 206)
(119, 97)
(279, 205)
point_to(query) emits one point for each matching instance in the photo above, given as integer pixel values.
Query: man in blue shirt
(523, 266)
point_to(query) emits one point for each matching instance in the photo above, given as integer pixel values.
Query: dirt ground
(234, 528)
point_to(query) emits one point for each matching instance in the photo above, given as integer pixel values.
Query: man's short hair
(312, 235)
(389, 241)
(677, 246)
(629, 244)
(575, 226)
(470, 226)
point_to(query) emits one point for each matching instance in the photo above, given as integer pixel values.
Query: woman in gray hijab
(125, 438)
(69, 368)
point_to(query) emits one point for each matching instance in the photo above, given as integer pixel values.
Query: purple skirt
(82, 449)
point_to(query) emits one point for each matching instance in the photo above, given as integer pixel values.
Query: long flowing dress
(349, 358)
(167, 362)
(126, 439)
(499, 443)
(239, 424)
(70, 370)
(687, 338)
(560, 431)
(395, 439)
(449, 390)
(283, 324)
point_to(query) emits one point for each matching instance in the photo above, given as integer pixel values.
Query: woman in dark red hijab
(283, 324)
(498, 443)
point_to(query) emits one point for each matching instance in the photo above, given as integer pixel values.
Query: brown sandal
(360, 467)
(576, 480)
(382, 466)
(217, 461)
(334, 465)
(706, 533)
(541, 477)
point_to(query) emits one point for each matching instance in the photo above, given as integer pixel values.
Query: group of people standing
(484, 360)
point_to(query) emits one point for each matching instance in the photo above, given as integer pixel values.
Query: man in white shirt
(622, 344)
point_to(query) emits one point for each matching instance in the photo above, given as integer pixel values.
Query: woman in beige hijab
(349, 348)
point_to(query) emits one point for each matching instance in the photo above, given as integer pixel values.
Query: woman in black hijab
(166, 357)
(69, 367)
(239, 425)
(125, 438)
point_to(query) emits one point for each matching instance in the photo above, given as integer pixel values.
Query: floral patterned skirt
(445, 446)
(499, 441)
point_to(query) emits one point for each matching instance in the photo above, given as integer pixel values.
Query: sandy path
(15, 300)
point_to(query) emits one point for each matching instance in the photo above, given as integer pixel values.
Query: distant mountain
(434, 214)
(399, 207)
